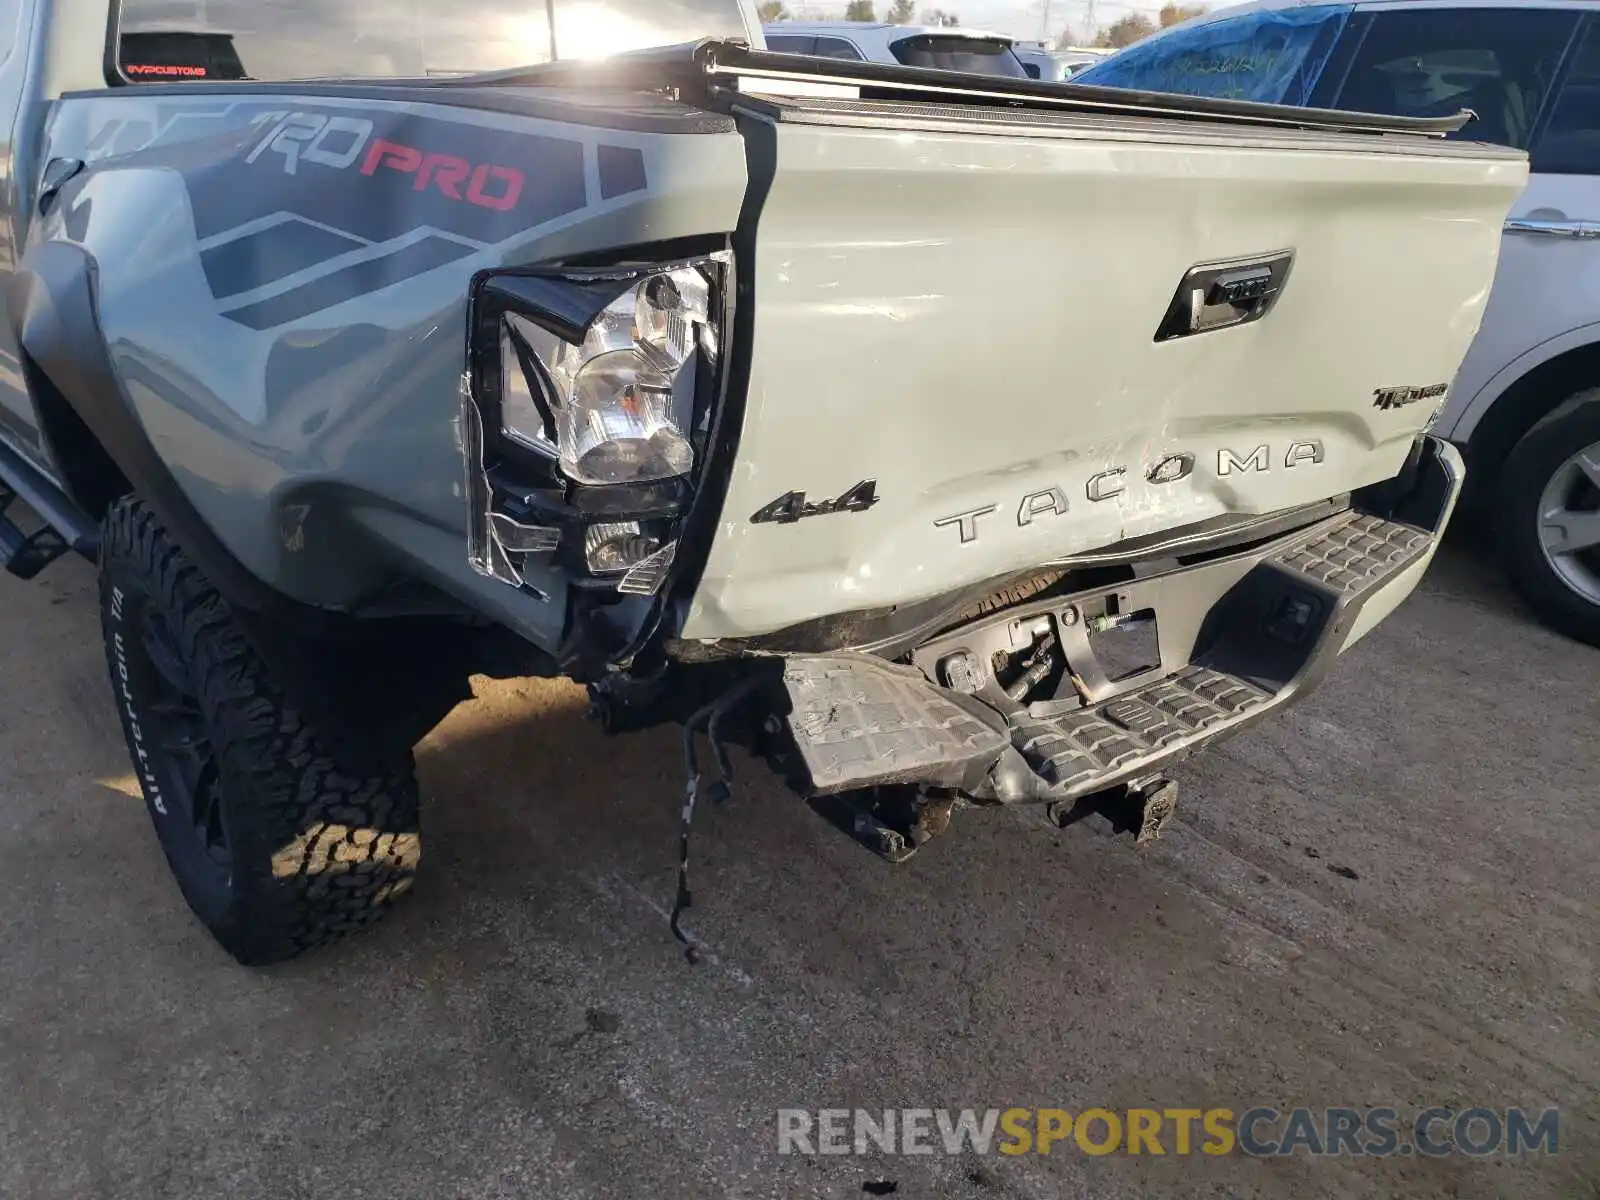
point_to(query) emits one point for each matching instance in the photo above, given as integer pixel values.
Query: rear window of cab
(166, 41)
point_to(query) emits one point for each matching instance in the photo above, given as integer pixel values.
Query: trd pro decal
(314, 208)
(331, 141)
(486, 185)
(339, 141)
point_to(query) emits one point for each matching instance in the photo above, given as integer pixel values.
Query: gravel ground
(1387, 897)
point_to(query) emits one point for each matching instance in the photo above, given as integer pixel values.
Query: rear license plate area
(1125, 646)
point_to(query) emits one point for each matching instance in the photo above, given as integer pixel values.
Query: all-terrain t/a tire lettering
(276, 846)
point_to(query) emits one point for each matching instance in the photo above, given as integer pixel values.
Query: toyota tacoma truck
(943, 439)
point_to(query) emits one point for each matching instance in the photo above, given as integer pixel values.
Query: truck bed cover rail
(705, 68)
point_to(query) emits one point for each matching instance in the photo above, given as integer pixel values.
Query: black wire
(710, 716)
(714, 732)
(685, 898)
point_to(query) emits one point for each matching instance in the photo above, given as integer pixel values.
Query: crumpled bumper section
(1230, 659)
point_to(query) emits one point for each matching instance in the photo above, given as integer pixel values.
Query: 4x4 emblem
(791, 506)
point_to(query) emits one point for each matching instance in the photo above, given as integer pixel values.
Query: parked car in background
(1080, 58)
(1042, 63)
(947, 47)
(1526, 404)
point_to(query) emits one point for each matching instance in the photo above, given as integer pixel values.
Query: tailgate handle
(1222, 295)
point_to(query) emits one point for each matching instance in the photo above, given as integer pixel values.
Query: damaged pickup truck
(944, 439)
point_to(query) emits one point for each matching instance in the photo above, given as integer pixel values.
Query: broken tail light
(585, 412)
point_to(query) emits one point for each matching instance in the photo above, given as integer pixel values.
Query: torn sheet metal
(492, 538)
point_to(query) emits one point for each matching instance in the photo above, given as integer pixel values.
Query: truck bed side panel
(282, 281)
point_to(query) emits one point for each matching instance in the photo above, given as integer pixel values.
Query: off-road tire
(311, 850)
(1527, 470)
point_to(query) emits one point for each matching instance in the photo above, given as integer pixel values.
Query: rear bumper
(1239, 637)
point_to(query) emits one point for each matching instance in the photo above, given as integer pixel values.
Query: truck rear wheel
(1549, 513)
(276, 847)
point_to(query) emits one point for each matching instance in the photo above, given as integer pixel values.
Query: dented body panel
(282, 286)
(871, 369)
(942, 436)
(966, 312)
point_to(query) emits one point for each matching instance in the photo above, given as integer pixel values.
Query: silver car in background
(949, 48)
(1040, 62)
(1525, 405)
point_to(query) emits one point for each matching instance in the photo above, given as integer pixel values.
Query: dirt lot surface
(1388, 897)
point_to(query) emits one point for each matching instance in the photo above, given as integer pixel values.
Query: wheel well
(1524, 404)
(87, 471)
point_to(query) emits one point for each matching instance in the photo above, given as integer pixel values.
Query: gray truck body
(320, 442)
(993, 370)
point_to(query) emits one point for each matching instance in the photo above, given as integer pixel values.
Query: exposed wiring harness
(710, 718)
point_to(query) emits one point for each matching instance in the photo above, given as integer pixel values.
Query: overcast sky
(1019, 18)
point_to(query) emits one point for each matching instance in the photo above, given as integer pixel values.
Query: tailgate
(989, 317)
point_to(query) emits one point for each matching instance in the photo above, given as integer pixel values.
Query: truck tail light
(585, 413)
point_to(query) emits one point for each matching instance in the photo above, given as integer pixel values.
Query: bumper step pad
(1078, 751)
(1352, 557)
(861, 722)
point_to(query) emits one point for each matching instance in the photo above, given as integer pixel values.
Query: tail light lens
(590, 396)
(618, 405)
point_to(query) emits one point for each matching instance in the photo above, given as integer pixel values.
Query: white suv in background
(951, 48)
(1040, 62)
(1526, 404)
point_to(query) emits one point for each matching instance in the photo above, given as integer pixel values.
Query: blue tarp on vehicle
(1275, 57)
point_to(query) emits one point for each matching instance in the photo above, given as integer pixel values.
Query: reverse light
(616, 405)
(616, 546)
(621, 548)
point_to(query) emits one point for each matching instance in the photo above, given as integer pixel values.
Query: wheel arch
(1537, 384)
(87, 473)
(362, 683)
